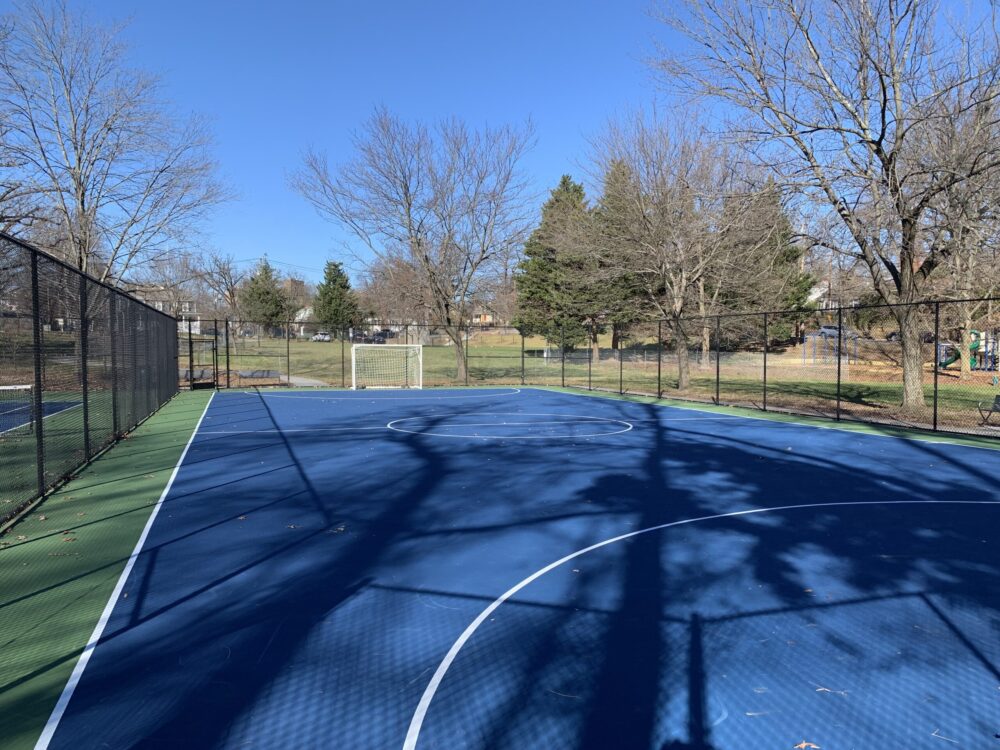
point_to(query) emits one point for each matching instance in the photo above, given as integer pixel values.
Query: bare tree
(19, 205)
(224, 278)
(124, 181)
(672, 204)
(849, 102)
(446, 200)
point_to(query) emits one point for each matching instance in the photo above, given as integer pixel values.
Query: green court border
(57, 579)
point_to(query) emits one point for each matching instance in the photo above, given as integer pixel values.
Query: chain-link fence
(932, 365)
(81, 363)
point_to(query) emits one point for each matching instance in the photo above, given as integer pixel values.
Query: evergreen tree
(551, 297)
(336, 305)
(262, 300)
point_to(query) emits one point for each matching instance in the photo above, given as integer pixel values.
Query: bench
(985, 414)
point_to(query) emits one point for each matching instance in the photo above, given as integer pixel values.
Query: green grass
(59, 565)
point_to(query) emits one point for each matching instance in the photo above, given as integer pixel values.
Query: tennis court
(526, 568)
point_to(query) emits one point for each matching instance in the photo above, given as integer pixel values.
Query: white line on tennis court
(19, 426)
(363, 396)
(417, 721)
(580, 419)
(836, 426)
(302, 429)
(60, 708)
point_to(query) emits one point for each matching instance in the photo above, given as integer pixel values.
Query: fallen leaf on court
(69, 539)
(242, 518)
(43, 518)
(805, 745)
(22, 538)
(292, 526)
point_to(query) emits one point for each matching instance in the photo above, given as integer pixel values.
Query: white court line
(417, 721)
(579, 418)
(302, 429)
(835, 426)
(19, 426)
(60, 708)
(362, 397)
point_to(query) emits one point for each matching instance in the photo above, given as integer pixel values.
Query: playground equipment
(826, 349)
(982, 352)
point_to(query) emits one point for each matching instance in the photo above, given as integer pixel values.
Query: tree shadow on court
(921, 578)
(634, 644)
(303, 573)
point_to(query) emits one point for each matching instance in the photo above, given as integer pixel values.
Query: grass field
(870, 390)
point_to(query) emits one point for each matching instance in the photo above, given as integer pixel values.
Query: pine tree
(550, 295)
(262, 300)
(336, 306)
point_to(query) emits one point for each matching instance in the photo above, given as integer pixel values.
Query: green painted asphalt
(59, 565)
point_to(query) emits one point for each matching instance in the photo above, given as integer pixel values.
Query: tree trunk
(706, 348)
(964, 355)
(681, 348)
(455, 334)
(595, 344)
(615, 337)
(913, 359)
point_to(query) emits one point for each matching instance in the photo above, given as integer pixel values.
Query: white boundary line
(417, 721)
(573, 419)
(301, 429)
(361, 397)
(835, 426)
(60, 708)
(53, 414)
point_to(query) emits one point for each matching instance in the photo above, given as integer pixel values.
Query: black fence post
(215, 352)
(190, 357)
(590, 354)
(659, 359)
(521, 333)
(765, 361)
(112, 342)
(718, 356)
(562, 356)
(937, 339)
(840, 336)
(36, 402)
(84, 374)
(228, 372)
(621, 368)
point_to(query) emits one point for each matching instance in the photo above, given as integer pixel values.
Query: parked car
(378, 338)
(321, 336)
(830, 332)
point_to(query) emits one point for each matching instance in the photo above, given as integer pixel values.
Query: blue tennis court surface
(530, 569)
(15, 414)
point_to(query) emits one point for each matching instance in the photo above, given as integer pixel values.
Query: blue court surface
(15, 414)
(513, 568)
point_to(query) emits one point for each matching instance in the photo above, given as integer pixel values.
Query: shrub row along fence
(844, 364)
(81, 363)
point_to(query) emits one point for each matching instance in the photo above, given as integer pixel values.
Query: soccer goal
(387, 366)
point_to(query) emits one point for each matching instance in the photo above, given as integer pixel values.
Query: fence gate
(199, 360)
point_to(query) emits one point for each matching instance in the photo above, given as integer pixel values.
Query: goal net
(386, 366)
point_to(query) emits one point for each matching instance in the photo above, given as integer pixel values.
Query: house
(169, 301)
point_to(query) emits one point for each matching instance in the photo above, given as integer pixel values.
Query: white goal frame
(419, 374)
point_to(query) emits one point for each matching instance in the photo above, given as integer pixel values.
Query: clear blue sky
(277, 77)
